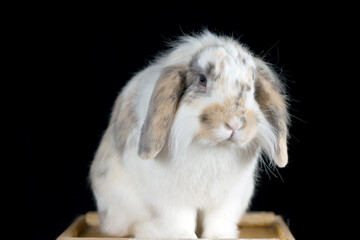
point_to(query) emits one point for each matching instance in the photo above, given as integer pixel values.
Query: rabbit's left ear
(269, 93)
(162, 108)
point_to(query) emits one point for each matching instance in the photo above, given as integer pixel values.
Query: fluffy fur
(200, 116)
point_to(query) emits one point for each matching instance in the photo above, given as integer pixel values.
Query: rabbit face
(221, 92)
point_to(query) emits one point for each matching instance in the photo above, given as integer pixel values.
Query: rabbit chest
(199, 177)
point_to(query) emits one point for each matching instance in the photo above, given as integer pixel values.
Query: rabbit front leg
(168, 223)
(222, 221)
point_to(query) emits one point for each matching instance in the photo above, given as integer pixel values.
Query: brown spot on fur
(162, 108)
(204, 118)
(215, 115)
(250, 125)
(206, 134)
(215, 118)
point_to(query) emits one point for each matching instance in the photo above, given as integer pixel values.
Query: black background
(75, 60)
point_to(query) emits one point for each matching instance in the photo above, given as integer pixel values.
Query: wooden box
(253, 225)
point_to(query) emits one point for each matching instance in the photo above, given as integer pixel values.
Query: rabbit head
(216, 94)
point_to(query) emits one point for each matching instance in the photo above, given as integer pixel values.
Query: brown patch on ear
(162, 107)
(272, 101)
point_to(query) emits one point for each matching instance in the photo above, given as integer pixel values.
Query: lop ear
(162, 108)
(269, 93)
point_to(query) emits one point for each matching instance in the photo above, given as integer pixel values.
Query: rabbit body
(192, 178)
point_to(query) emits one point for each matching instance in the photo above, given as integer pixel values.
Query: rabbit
(179, 156)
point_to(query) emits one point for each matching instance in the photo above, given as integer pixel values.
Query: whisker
(277, 170)
(262, 167)
(297, 118)
(268, 168)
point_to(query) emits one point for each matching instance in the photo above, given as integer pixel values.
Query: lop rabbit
(184, 139)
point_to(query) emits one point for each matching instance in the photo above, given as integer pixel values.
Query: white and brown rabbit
(184, 140)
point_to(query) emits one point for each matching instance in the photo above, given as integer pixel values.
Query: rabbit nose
(234, 124)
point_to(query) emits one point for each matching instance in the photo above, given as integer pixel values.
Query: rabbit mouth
(231, 135)
(223, 138)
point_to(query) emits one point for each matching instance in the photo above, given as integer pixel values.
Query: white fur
(162, 197)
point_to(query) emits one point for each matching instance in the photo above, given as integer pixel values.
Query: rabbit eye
(202, 80)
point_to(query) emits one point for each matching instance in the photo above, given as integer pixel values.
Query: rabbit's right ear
(162, 108)
(269, 93)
